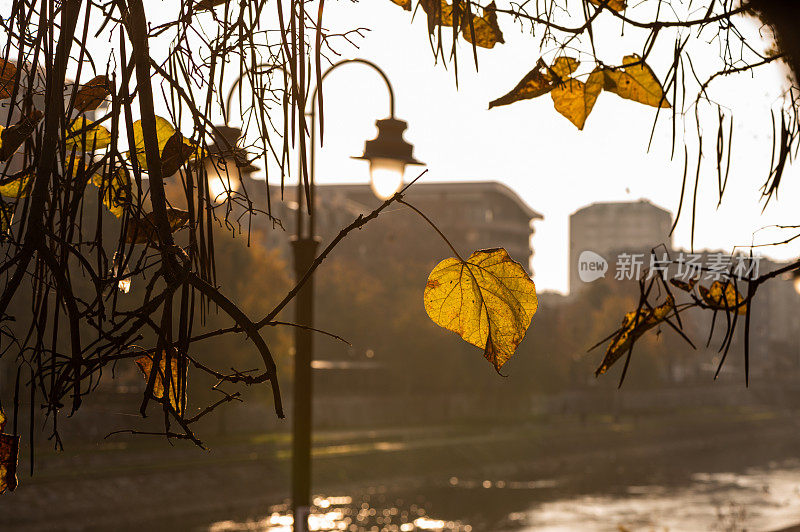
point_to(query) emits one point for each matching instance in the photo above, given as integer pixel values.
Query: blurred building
(472, 215)
(610, 228)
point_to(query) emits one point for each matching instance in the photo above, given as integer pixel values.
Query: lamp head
(388, 154)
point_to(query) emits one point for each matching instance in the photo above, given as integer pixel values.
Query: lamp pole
(388, 155)
(390, 148)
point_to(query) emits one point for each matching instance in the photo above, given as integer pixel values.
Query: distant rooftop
(461, 187)
(622, 204)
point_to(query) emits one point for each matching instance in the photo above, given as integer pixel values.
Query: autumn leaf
(8, 71)
(177, 385)
(11, 138)
(175, 153)
(635, 81)
(537, 82)
(488, 300)
(723, 296)
(405, 4)
(563, 67)
(164, 131)
(6, 217)
(9, 454)
(439, 13)
(633, 327)
(91, 95)
(683, 285)
(174, 157)
(615, 5)
(115, 190)
(16, 188)
(208, 4)
(575, 99)
(485, 30)
(142, 231)
(86, 136)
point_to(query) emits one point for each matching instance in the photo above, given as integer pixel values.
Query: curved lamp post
(388, 154)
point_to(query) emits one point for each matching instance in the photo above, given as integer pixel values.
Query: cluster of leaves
(571, 33)
(575, 99)
(721, 296)
(481, 30)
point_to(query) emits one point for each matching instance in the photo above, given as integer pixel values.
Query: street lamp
(388, 154)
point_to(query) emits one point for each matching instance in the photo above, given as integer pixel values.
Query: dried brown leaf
(91, 95)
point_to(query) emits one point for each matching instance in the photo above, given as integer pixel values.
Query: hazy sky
(554, 167)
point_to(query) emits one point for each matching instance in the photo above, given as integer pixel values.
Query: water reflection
(758, 499)
(376, 513)
(765, 499)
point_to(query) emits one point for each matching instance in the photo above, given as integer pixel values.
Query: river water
(764, 498)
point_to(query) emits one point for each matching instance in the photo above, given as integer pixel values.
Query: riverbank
(140, 483)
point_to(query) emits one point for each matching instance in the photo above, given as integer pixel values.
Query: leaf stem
(434, 227)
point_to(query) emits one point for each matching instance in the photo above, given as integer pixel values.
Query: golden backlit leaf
(405, 4)
(485, 29)
(142, 231)
(173, 154)
(164, 130)
(723, 296)
(575, 99)
(8, 71)
(176, 382)
(632, 328)
(115, 190)
(616, 5)
(87, 137)
(635, 81)
(9, 449)
(537, 82)
(9, 455)
(11, 138)
(6, 217)
(488, 300)
(683, 285)
(16, 188)
(564, 67)
(91, 95)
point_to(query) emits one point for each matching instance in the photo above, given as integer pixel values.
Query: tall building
(609, 228)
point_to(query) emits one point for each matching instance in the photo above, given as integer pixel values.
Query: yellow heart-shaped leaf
(488, 300)
(637, 82)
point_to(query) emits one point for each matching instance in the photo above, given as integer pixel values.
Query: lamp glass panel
(221, 184)
(386, 176)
